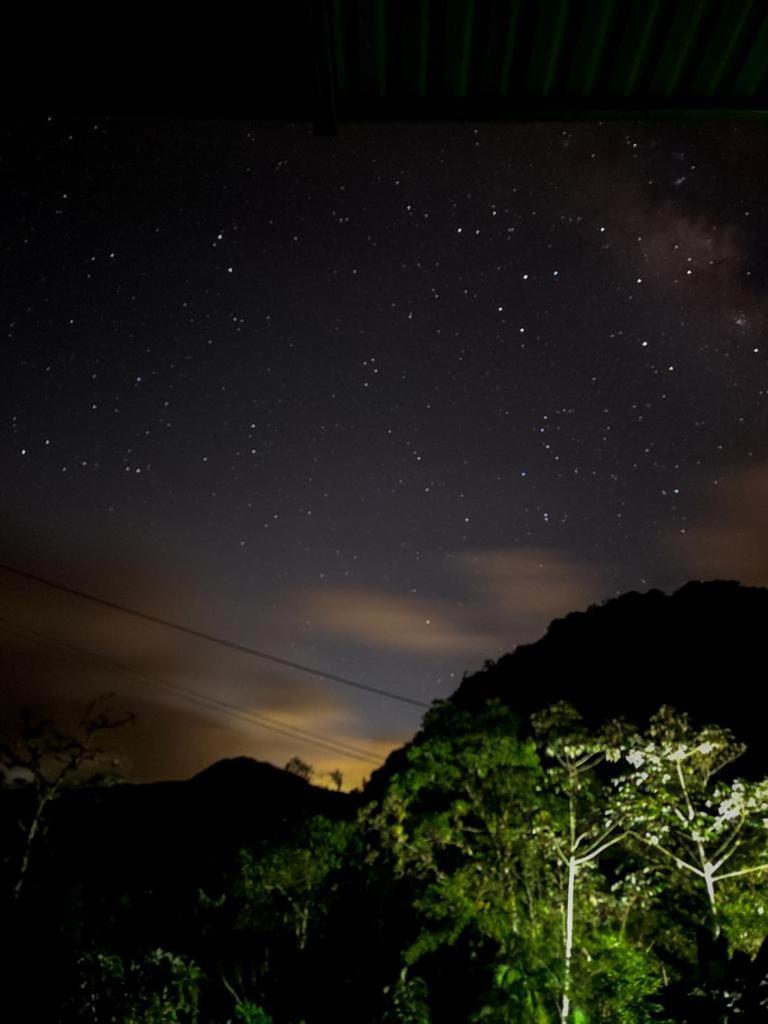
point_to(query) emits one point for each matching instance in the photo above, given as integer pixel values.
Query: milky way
(384, 404)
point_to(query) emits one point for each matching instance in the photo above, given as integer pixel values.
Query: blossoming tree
(589, 827)
(676, 803)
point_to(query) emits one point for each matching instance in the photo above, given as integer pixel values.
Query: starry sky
(382, 404)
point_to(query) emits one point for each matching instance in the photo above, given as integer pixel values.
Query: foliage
(157, 988)
(298, 767)
(586, 826)
(461, 819)
(513, 995)
(409, 1001)
(619, 984)
(742, 910)
(501, 876)
(721, 987)
(283, 886)
(39, 756)
(250, 1013)
(710, 830)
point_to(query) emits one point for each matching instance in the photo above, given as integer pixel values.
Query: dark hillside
(165, 830)
(700, 649)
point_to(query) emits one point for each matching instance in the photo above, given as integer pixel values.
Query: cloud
(393, 621)
(174, 737)
(179, 741)
(45, 640)
(734, 543)
(504, 597)
(490, 601)
(526, 588)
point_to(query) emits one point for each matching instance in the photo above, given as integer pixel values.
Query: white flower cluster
(735, 805)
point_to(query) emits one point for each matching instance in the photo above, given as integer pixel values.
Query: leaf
(505, 975)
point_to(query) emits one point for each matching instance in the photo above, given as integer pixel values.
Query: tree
(298, 767)
(42, 757)
(337, 779)
(409, 1002)
(709, 829)
(459, 821)
(268, 923)
(589, 828)
(721, 986)
(282, 885)
(250, 1013)
(157, 987)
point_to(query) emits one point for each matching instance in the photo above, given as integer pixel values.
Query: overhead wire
(195, 697)
(211, 638)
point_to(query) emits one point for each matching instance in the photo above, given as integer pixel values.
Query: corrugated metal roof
(329, 61)
(540, 58)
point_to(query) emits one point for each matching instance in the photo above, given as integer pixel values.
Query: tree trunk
(565, 1009)
(710, 883)
(29, 840)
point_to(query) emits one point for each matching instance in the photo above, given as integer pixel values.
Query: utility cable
(200, 635)
(203, 700)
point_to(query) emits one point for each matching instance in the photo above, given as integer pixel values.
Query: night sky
(384, 404)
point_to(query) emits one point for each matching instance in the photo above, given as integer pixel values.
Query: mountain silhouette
(128, 868)
(231, 803)
(700, 649)
(165, 838)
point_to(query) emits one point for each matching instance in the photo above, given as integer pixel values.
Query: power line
(264, 721)
(200, 635)
(203, 700)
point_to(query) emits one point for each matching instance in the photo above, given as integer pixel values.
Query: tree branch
(597, 850)
(742, 871)
(673, 856)
(732, 838)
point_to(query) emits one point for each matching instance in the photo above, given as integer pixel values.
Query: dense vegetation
(529, 867)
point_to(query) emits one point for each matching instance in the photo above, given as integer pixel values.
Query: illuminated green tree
(284, 886)
(156, 988)
(461, 820)
(585, 825)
